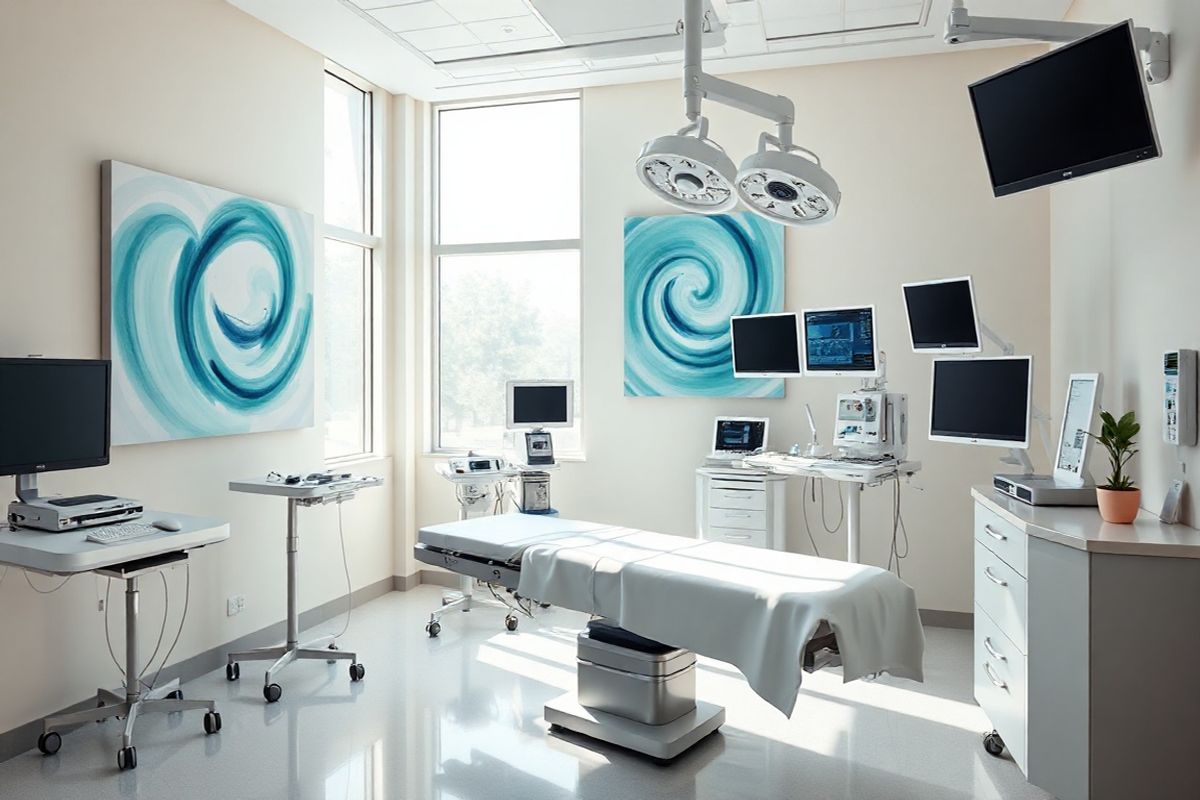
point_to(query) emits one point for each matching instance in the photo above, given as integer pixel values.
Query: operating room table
(762, 611)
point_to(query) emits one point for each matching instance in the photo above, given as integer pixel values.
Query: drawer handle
(995, 534)
(740, 514)
(737, 536)
(987, 573)
(993, 677)
(992, 651)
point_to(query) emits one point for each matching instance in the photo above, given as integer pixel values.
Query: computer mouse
(167, 524)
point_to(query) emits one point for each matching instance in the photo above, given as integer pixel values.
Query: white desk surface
(1083, 529)
(304, 490)
(853, 471)
(69, 552)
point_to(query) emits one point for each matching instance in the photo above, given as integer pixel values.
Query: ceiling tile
(742, 13)
(791, 9)
(509, 29)
(440, 38)
(549, 72)
(804, 26)
(743, 40)
(480, 72)
(525, 45)
(413, 16)
(370, 4)
(879, 17)
(874, 5)
(454, 53)
(476, 10)
(621, 62)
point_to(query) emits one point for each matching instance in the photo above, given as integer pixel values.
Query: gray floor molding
(22, 738)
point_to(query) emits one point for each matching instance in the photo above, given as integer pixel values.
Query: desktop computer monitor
(765, 345)
(982, 400)
(54, 414)
(1079, 411)
(941, 316)
(540, 404)
(841, 341)
(740, 434)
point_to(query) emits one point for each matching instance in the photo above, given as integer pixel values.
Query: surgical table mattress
(753, 608)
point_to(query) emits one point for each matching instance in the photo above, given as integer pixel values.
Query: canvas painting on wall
(685, 276)
(208, 309)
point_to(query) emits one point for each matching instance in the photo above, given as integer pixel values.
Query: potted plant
(1119, 499)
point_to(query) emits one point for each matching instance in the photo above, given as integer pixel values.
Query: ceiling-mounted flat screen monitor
(941, 316)
(982, 400)
(1079, 109)
(765, 345)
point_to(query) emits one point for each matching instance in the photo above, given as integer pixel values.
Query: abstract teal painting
(209, 301)
(685, 276)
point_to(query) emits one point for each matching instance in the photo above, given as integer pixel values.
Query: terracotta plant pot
(1119, 505)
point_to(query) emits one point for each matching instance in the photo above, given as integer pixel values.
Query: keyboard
(81, 500)
(121, 532)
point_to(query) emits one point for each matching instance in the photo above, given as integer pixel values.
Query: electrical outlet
(236, 604)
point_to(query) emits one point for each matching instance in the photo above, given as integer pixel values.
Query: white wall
(200, 90)
(1124, 246)
(900, 138)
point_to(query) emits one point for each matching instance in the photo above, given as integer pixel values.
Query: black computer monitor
(765, 345)
(54, 414)
(941, 316)
(982, 400)
(841, 341)
(541, 404)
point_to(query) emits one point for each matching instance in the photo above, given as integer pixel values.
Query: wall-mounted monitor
(54, 414)
(942, 316)
(1079, 109)
(982, 400)
(841, 342)
(540, 404)
(765, 345)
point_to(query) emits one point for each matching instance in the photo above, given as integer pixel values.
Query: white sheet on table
(754, 608)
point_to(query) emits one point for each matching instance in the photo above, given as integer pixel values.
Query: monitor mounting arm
(962, 27)
(698, 85)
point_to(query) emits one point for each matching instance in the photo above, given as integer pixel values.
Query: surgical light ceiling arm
(962, 27)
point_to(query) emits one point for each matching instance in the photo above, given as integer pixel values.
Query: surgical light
(692, 172)
(787, 185)
(689, 171)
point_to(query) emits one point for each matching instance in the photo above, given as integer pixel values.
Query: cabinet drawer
(1003, 594)
(1001, 684)
(1001, 537)
(735, 536)
(743, 519)
(748, 499)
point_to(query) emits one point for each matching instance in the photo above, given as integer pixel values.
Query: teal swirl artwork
(210, 309)
(685, 276)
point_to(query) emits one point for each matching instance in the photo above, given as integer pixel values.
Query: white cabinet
(741, 507)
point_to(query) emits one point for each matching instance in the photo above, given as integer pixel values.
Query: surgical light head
(689, 171)
(788, 185)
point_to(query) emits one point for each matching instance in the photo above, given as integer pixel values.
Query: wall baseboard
(23, 737)
(439, 578)
(959, 620)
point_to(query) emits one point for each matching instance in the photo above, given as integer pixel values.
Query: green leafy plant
(1117, 437)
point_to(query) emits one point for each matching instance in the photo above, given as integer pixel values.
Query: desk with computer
(975, 399)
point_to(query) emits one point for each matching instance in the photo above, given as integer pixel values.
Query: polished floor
(460, 718)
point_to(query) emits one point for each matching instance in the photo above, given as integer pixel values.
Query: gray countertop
(1083, 529)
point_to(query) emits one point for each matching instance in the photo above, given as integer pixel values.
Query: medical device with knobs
(781, 181)
(1179, 397)
(961, 27)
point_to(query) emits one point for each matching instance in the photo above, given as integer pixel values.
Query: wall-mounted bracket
(961, 27)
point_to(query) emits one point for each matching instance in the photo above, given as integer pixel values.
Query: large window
(507, 261)
(349, 262)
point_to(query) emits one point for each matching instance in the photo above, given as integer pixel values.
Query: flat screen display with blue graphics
(838, 340)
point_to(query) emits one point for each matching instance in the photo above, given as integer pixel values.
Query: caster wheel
(49, 743)
(212, 722)
(233, 671)
(272, 692)
(510, 622)
(357, 672)
(433, 629)
(175, 695)
(127, 758)
(993, 744)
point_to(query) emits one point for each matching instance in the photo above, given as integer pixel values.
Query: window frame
(371, 242)
(437, 250)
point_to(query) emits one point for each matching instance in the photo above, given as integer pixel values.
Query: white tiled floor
(460, 718)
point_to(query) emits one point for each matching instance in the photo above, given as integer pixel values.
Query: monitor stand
(27, 488)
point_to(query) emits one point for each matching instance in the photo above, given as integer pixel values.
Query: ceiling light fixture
(690, 171)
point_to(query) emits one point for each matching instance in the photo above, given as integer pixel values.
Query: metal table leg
(320, 649)
(854, 522)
